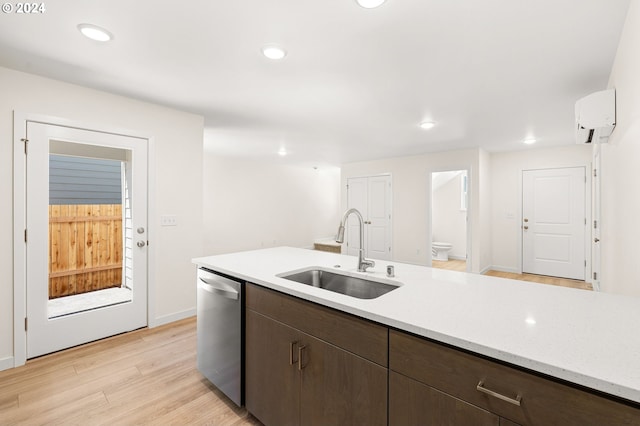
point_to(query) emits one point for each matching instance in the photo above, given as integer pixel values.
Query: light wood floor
(461, 265)
(147, 376)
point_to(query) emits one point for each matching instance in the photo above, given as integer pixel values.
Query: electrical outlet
(169, 220)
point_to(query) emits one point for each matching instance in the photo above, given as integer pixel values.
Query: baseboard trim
(485, 270)
(456, 257)
(6, 363)
(500, 269)
(177, 316)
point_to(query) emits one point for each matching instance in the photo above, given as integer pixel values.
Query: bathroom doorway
(449, 243)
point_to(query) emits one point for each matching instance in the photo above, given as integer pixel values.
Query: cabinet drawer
(414, 403)
(542, 401)
(353, 334)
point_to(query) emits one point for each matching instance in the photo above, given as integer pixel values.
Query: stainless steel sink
(345, 284)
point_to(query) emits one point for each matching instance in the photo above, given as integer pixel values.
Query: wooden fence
(85, 248)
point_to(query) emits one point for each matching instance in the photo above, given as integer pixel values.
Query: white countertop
(584, 337)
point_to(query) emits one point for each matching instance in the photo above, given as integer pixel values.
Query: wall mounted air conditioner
(596, 117)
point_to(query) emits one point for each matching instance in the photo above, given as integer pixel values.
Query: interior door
(47, 332)
(553, 222)
(371, 196)
(379, 217)
(357, 197)
(596, 244)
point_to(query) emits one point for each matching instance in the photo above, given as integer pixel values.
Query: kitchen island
(588, 339)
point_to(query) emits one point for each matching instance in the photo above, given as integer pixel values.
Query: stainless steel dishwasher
(220, 332)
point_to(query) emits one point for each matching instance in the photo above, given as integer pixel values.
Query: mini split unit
(596, 117)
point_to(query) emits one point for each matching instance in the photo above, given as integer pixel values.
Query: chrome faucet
(363, 263)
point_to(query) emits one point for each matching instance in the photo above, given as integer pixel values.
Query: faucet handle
(368, 263)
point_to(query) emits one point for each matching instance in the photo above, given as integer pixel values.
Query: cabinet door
(272, 384)
(413, 403)
(340, 388)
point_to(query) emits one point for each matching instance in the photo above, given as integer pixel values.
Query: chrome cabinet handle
(291, 360)
(300, 349)
(489, 392)
(525, 227)
(140, 243)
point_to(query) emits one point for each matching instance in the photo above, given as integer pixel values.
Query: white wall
(253, 204)
(411, 206)
(506, 194)
(178, 164)
(620, 166)
(449, 222)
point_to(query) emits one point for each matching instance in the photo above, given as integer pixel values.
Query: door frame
(20, 119)
(587, 212)
(470, 206)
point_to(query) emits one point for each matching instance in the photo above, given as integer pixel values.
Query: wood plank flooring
(147, 376)
(461, 265)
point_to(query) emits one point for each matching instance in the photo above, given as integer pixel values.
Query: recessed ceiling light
(94, 32)
(530, 321)
(529, 141)
(274, 52)
(282, 152)
(370, 4)
(427, 124)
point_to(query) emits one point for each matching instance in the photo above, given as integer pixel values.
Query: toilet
(440, 251)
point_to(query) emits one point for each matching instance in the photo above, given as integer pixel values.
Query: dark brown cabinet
(510, 394)
(307, 364)
(298, 370)
(272, 386)
(412, 403)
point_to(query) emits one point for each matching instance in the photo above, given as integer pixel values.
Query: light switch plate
(168, 220)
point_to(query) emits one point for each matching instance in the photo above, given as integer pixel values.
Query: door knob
(140, 230)
(140, 244)
(525, 227)
(526, 220)
(596, 240)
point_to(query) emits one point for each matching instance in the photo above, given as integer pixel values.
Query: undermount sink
(360, 288)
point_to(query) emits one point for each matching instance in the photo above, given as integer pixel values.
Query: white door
(553, 222)
(46, 332)
(371, 196)
(595, 244)
(357, 196)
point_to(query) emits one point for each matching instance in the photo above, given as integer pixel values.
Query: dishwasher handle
(218, 287)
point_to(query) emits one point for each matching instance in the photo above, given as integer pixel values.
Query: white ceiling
(356, 82)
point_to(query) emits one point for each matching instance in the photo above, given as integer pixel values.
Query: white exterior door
(47, 333)
(553, 222)
(371, 196)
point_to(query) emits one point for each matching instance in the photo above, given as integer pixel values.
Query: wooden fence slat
(85, 248)
(84, 271)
